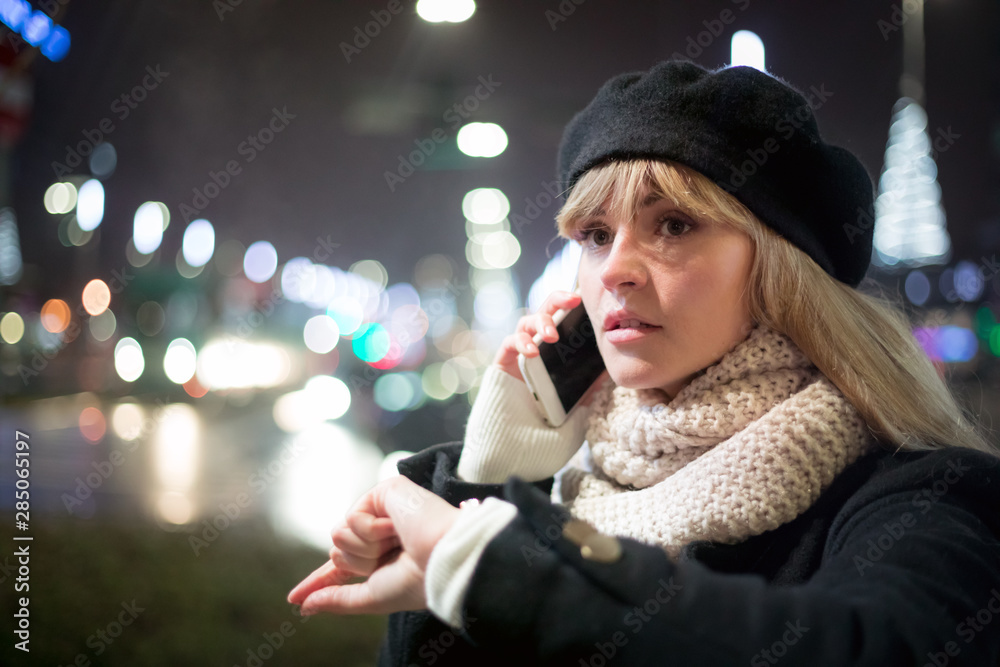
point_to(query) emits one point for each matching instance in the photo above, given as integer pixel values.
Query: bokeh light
(92, 425)
(493, 250)
(298, 279)
(373, 343)
(128, 420)
(482, 139)
(434, 270)
(485, 206)
(76, 236)
(11, 328)
(60, 198)
(55, 315)
(102, 327)
(347, 313)
(96, 297)
(372, 271)
(134, 257)
(321, 334)
(969, 283)
(180, 361)
(439, 381)
(129, 362)
(917, 287)
(103, 160)
(747, 48)
(947, 343)
(150, 220)
(185, 269)
(260, 261)
(445, 11)
(234, 363)
(494, 303)
(90, 205)
(323, 398)
(199, 242)
(393, 392)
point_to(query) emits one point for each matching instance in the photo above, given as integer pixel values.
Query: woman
(773, 469)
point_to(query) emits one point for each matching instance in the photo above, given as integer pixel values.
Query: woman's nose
(624, 265)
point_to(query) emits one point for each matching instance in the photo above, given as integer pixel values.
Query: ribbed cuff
(454, 558)
(506, 435)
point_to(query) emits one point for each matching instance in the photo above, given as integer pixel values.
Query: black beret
(750, 133)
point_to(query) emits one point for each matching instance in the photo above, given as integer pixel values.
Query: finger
(547, 328)
(560, 299)
(326, 574)
(368, 527)
(525, 344)
(545, 323)
(351, 599)
(357, 566)
(348, 541)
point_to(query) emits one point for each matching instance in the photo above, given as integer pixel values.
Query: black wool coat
(896, 563)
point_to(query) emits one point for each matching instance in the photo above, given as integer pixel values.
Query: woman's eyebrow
(650, 200)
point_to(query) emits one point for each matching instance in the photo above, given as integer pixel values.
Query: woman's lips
(630, 334)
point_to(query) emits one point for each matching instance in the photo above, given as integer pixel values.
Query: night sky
(346, 124)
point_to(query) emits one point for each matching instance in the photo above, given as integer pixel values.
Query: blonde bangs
(619, 187)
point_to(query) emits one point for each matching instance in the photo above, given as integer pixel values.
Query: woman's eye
(593, 236)
(673, 226)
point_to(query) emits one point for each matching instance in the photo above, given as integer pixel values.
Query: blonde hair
(861, 342)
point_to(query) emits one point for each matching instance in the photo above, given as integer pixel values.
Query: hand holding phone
(564, 369)
(559, 380)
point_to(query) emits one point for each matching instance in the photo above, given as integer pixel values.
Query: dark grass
(213, 608)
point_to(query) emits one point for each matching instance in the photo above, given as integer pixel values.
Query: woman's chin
(636, 378)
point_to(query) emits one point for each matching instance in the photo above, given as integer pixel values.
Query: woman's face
(683, 277)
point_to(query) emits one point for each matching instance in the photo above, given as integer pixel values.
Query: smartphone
(563, 371)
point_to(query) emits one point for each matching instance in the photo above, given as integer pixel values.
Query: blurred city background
(252, 253)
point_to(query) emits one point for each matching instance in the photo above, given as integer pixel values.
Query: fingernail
(550, 330)
(531, 347)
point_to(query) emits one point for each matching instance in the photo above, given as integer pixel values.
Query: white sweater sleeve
(506, 435)
(454, 558)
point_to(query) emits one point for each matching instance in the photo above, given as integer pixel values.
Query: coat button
(593, 545)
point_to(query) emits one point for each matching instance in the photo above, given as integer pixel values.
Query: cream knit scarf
(745, 447)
